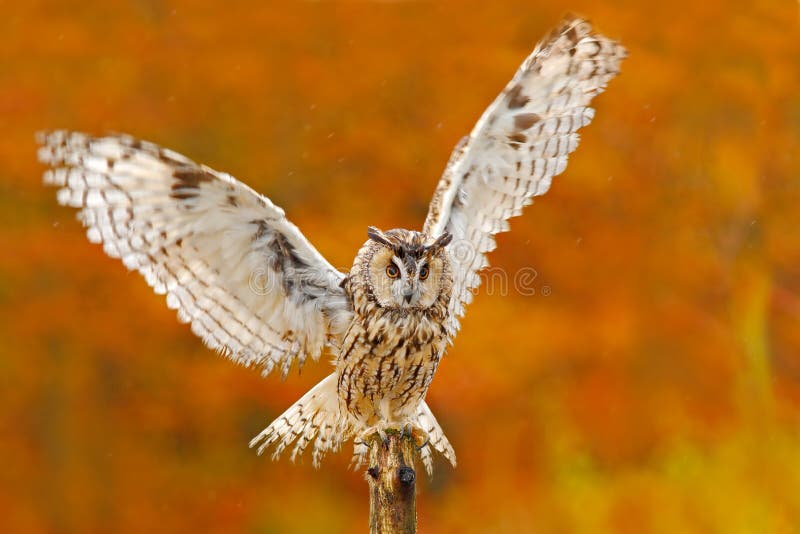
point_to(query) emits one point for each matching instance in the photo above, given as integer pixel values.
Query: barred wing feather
(227, 258)
(518, 145)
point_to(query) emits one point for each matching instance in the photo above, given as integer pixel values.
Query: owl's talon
(425, 443)
(416, 433)
(383, 436)
(408, 431)
(367, 437)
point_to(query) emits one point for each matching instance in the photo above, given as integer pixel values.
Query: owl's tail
(315, 417)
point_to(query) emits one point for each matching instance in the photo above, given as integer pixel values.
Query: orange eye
(423, 272)
(392, 271)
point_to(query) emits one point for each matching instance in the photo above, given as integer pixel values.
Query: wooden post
(391, 477)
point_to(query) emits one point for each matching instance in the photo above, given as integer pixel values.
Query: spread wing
(227, 258)
(518, 145)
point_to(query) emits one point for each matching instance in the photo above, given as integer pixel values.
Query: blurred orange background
(655, 389)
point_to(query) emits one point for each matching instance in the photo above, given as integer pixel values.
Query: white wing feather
(227, 258)
(518, 145)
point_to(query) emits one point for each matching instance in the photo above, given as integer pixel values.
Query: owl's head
(403, 268)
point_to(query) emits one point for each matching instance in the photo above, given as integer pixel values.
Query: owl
(256, 290)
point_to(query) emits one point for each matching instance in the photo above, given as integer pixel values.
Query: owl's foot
(366, 435)
(409, 429)
(417, 434)
(421, 439)
(365, 440)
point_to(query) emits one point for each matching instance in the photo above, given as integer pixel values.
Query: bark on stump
(392, 479)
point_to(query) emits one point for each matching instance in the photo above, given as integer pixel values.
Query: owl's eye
(423, 272)
(392, 271)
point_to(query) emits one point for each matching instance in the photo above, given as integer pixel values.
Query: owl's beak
(408, 295)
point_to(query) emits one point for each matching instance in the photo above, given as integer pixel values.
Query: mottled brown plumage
(392, 348)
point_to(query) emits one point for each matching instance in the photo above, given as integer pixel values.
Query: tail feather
(314, 418)
(435, 434)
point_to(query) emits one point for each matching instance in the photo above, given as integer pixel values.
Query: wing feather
(520, 142)
(226, 258)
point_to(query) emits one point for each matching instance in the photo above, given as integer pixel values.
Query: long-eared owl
(255, 289)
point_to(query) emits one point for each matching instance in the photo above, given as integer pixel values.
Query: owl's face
(405, 269)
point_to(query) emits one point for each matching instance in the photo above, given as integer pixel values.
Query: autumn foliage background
(655, 389)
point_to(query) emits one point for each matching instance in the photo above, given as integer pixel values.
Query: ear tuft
(378, 236)
(443, 240)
